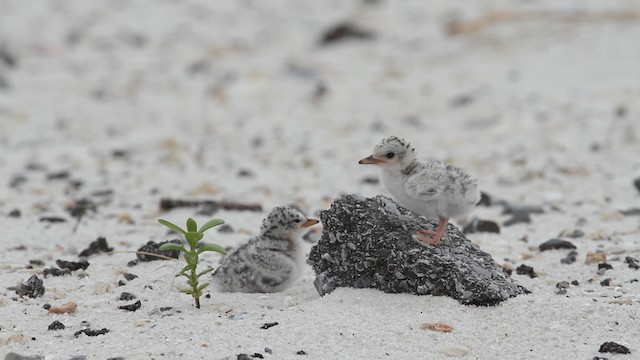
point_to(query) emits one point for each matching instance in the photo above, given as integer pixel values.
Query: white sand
(545, 92)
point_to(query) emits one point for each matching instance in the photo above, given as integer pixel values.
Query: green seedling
(191, 256)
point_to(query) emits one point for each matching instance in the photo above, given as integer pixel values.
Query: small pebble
(526, 270)
(268, 325)
(16, 356)
(90, 332)
(632, 262)
(131, 307)
(15, 213)
(96, 247)
(575, 282)
(554, 244)
(56, 325)
(301, 352)
(72, 265)
(129, 276)
(125, 296)
(33, 288)
(636, 183)
(572, 234)
(477, 225)
(605, 282)
(571, 257)
(615, 348)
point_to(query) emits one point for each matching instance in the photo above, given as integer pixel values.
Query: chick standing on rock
(269, 262)
(432, 189)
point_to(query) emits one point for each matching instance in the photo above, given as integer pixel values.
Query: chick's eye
(296, 221)
(390, 155)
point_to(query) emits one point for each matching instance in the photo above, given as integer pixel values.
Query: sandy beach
(124, 104)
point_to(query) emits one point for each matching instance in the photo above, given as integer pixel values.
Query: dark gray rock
(368, 243)
(554, 244)
(33, 288)
(520, 213)
(478, 225)
(614, 348)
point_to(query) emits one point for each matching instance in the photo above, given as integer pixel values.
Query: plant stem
(194, 279)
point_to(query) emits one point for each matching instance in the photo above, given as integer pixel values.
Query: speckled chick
(432, 188)
(269, 262)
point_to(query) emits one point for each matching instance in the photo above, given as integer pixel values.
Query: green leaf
(205, 271)
(211, 223)
(191, 225)
(171, 226)
(211, 247)
(187, 291)
(202, 287)
(172, 246)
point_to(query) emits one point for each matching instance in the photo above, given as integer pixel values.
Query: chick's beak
(371, 160)
(309, 222)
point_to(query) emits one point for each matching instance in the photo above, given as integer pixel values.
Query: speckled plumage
(431, 188)
(269, 262)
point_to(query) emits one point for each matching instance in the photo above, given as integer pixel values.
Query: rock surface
(368, 243)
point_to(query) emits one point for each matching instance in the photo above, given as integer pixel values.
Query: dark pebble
(56, 272)
(462, 100)
(243, 357)
(599, 358)
(520, 213)
(152, 247)
(575, 282)
(72, 265)
(476, 225)
(90, 332)
(122, 283)
(372, 180)
(301, 352)
(15, 213)
(125, 296)
(17, 180)
(96, 247)
(79, 208)
(16, 356)
(636, 183)
(554, 244)
(132, 263)
(46, 306)
(605, 282)
(268, 325)
(562, 285)
(129, 276)
(344, 31)
(52, 219)
(268, 350)
(208, 209)
(7, 57)
(33, 288)
(245, 173)
(631, 212)
(257, 356)
(56, 325)
(225, 229)
(571, 257)
(36, 262)
(131, 307)
(485, 199)
(526, 270)
(60, 175)
(573, 234)
(116, 358)
(615, 348)
(604, 266)
(632, 262)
